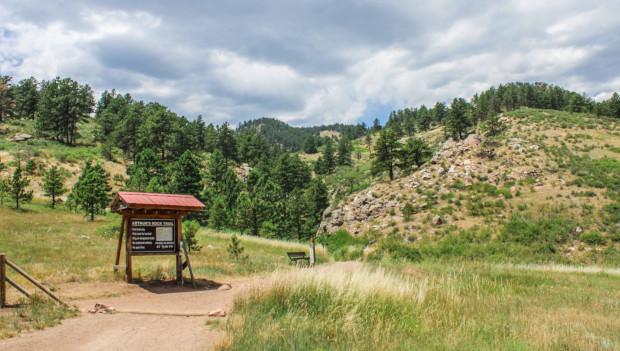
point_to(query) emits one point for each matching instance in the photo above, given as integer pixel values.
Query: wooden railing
(5, 262)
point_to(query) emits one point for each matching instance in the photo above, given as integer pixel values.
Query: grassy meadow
(471, 306)
(58, 247)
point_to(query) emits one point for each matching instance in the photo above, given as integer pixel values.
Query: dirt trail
(148, 318)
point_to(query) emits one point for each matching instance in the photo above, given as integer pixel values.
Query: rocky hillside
(543, 163)
(18, 141)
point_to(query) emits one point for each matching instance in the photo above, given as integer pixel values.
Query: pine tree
(186, 177)
(310, 145)
(19, 187)
(190, 229)
(5, 189)
(235, 250)
(414, 154)
(91, 192)
(376, 125)
(316, 198)
(458, 120)
(26, 98)
(53, 184)
(386, 153)
(329, 161)
(226, 143)
(216, 169)
(7, 101)
(63, 103)
(218, 213)
(344, 152)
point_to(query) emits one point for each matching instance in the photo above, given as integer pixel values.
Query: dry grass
(464, 307)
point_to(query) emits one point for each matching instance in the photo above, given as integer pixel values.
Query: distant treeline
(299, 138)
(489, 103)
(276, 194)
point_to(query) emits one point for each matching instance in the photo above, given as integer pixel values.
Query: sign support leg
(178, 253)
(2, 280)
(128, 272)
(120, 245)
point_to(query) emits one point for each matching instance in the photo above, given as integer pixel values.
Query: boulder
(20, 137)
(437, 221)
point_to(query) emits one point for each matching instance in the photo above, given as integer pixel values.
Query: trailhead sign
(153, 236)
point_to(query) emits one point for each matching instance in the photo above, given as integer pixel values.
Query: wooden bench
(298, 257)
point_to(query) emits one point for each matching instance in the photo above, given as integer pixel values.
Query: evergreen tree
(5, 189)
(614, 105)
(158, 130)
(458, 120)
(316, 198)
(26, 98)
(226, 143)
(386, 153)
(216, 169)
(296, 215)
(290, 172)
(368, 140)
(19, 187)
(218, 213)
(7, 101)
(328, 159)
(376, 125)
(186, 177)
(91, 192)
(344, 152)
(310, 146)
(439, 112)
(63, 103)
(414, 153)
(53, 184)
(146, 167)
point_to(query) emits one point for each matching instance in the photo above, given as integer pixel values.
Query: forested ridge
(251, 178)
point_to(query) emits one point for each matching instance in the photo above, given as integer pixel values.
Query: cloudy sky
(311, 62)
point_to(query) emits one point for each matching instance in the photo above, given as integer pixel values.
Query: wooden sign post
(151, 225)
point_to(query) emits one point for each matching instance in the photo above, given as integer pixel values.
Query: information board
(153, 236)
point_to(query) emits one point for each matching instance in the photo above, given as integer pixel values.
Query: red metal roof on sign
(136, 200)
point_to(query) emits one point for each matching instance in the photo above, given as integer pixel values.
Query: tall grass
(431, 308)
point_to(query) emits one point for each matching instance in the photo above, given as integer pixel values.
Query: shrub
(399, 250)
(592, 238)
(235, 250)
(190, 229)
(525, 230)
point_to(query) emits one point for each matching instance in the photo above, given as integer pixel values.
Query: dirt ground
(147, 317)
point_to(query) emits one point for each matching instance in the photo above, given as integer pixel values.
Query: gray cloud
(311, 62)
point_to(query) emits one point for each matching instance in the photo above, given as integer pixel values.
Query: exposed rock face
(375, 207)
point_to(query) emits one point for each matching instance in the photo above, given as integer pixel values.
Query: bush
(235, 250)
(190, 228)
(398, 250)
(525, 230)
(592, 238)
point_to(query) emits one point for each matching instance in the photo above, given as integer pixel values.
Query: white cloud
(284, 60)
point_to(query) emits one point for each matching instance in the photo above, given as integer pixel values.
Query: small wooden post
(128, 272)
(2, 280)
(120, 244)
(178, 254)
(312, 252)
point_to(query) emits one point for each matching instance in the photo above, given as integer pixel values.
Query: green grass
(60, 246)
(429, 307)
(36, 314)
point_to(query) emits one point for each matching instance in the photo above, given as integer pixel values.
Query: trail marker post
(151, 225)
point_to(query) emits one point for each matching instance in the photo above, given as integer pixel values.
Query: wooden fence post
(2, 280)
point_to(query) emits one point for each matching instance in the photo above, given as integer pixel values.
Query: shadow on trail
(170, 286)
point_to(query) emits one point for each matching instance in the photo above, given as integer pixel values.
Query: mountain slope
(545, 165)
